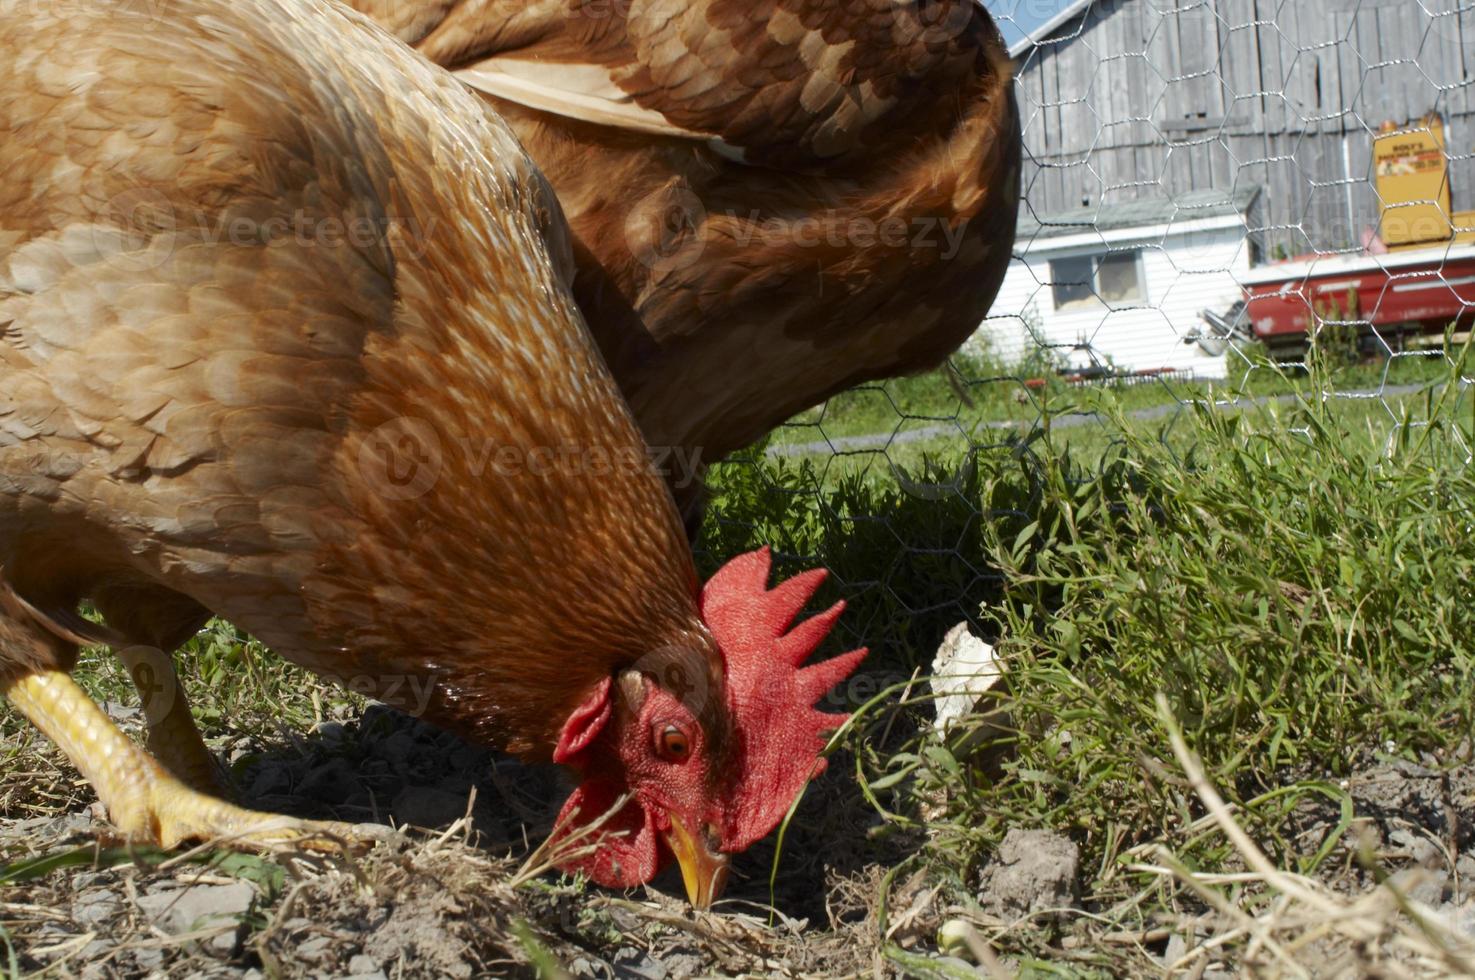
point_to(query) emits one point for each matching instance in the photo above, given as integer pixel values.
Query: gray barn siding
(1151, 97)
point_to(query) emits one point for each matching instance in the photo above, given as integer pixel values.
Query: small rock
(636, 964)
(148, 959)
(270, 780)
(463, 757)
(312, 950)
(1459, 918)
(51, 935)
(1033, 870)
(224, 944)
(423, 806)
(119, 712)
(623, 919)
(1412, 769)
(94, 906)
(1419, 848)
(681, 963)
(364, 967)
(177, 910)
(1426, 887)
(84, 879)
(94, 950)
(66, 825)
(20, 827)
(398, 749)
(331, 731)
(332, 782)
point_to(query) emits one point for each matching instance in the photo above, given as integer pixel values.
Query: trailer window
(1086, 282)
(1072, 284)
(1118, 281)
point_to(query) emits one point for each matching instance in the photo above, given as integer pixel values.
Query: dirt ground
(428, 903)
(459, 901)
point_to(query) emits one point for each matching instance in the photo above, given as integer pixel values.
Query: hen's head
(707, 765)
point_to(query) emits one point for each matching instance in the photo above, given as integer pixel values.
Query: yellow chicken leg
(172, 736)
(146, 802)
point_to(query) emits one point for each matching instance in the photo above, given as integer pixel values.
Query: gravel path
(883, 440)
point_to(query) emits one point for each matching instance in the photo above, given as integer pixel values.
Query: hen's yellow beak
(703, 870)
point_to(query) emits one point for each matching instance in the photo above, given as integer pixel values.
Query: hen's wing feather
(785, 83)
(155, 290)
(797, 82)
(583, 92)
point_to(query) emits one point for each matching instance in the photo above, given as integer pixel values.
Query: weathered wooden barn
(1133, 98)
(1152, 100)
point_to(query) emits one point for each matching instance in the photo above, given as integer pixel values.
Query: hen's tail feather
(64, 624)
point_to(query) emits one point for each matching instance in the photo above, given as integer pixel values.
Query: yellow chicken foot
(144, 801)
(172, 736)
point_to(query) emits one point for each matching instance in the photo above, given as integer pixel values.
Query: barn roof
(1067, 13)
(1147, 212)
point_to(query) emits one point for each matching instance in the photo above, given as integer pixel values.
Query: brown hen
(286, 337)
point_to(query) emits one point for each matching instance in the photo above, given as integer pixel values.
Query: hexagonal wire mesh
(1207, 211)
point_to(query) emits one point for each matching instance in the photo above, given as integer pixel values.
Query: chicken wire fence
(1314, 157)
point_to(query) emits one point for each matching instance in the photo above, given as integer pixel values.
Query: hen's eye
(672, 744)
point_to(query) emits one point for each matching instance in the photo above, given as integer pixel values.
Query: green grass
(882, 430)
(1293, 576)
(233, 682)
(975, 397)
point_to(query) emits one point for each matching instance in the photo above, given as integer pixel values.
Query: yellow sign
(1412, 173)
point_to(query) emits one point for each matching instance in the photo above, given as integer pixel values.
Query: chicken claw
(144, 800)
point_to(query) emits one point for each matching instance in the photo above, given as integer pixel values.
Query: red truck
(1415, 278)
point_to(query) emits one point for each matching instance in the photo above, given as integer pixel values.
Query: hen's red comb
(776, 728)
